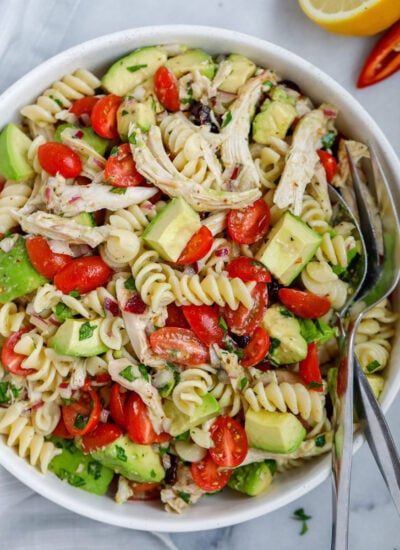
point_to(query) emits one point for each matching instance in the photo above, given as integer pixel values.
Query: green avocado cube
(17, 275)
(14, 146)
(191, 60)
(241, 70)
(253, 479)
(276, 432)
(288, 345)
(181, 423)
(79, 338)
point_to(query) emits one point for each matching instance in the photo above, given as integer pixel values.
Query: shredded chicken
(229, 362)
(301, 161)
(183, 493)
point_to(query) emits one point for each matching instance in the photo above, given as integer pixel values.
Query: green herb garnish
(227, 119)
(328, 139)
(62, 312)
(144, 372)
(75, 293)
(127, 373)
(222, 323)
(118, 190)
(129, 284)
(120, 452)
(371, 367)
(86, 331)
(300, 515)
(134, 68)
(184, 496)
(94, 469)
(243, 383)
(320, 441)
(183, 437)
(132, 138)
(80, 421)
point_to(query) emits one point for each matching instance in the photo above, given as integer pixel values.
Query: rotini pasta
(13, 196)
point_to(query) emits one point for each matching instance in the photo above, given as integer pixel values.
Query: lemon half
(353, 17)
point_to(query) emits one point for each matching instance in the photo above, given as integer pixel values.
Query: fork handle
(377, 433)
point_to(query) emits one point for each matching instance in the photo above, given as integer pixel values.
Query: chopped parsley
(314, 385)
(371, 367)
(134, 68)
(71, 478)
(118, 190)
(144, 372)
(127, 373)
(132, 138)
(120, 453)
(285, 312)
(129, 284)
(328, 139)
(268, 83)
(183, 437)
(75, 293)
(320, 441)
(227, 119)
(184, 496)
(222, 323)
(163, 450)
(300, 515)
(86, 331)
(243, 383)
(94, 469)
(114, 151)
(62, 312)
(7, 392)
(274, 343)
(124, 112)
(80, 421)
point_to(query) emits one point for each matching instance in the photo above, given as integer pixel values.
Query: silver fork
(381, 278)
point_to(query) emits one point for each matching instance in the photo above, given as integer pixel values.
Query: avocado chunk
(85, 218)
(191, 60)
(290, 246)
(133, 69)
(131, 460)
(274, 120)
(86, 133)
(143, 114)
(287, 343)
(78, 469)
(172, 228)
(181, 423)
(14, 146)
(17, 275)
(253, 479)
(276, 432)
(242, 70)
(79, 338)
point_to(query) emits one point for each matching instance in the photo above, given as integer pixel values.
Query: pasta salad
(170, 275)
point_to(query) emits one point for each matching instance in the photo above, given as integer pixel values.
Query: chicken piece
(72, 199)
(301, 161)
(64, 229)
(171, 496)
(229, 363)
(155, 165)
(148, 393)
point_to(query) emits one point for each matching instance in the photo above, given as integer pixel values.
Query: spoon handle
(377, 433)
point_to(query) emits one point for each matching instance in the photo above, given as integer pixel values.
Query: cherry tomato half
(144, 491)
(197, 247)
(83, 415)
(230, 442)
(248, 225)
(120, 170)
(204, 321)
(384, 59)
(309, 369)
(179, 345)
(82, 274)
(43, 259)
(209, 476)
(329, 163)
(56, 158)
(104, 434)
(304, 304)
(256, 349)
(104, 116)
(12, 360)
(61, 431)
(118, 399)
(243, 320)
(84, 106)
(248, 269)
(138, 424)
(167, 89)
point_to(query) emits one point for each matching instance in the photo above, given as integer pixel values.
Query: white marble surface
(32, 31)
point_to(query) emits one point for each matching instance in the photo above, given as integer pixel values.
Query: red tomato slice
(83, 415)
(248, 225)
(230, 442)
(104, 434)
(245, 321)
(179, 345)
(84, 106)
(104, 116)
(83, 274)
(256, 349)
(197, 247)
(209, 476)
(120, 170)
(329, 163)
(56, 158)
(309, 369)
(204, 321)
(304, 304)
(118, 399)
(384, 59)
(138, 424)
(167, 89)
(248, 269)
(12, 360)
(45, 261)
(175, 317)
(61, 431)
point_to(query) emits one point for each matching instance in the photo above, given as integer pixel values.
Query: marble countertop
(34, 30)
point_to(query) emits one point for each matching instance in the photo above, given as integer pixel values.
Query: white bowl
(231, 507)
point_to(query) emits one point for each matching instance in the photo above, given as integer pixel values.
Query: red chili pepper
(384, 59)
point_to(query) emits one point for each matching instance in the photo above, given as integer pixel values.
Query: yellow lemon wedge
(352, 17)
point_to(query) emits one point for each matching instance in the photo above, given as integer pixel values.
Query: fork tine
(366, 225)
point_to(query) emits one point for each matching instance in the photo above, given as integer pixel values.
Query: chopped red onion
(47, 194)
(37, 405)
(135, 304)
(38, 322)
(79, 134)
(104, 415)
(222, 252)
(330, 113)
(111, 306)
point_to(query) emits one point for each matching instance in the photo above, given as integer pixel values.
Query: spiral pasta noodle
(228, 399)
(319, 278)
(335, 249)
(13, 196)
(313, 214)
(295, 398)
(151, 281)
(11, 319)
(193, 384)
(61, 95)
(21, 434)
